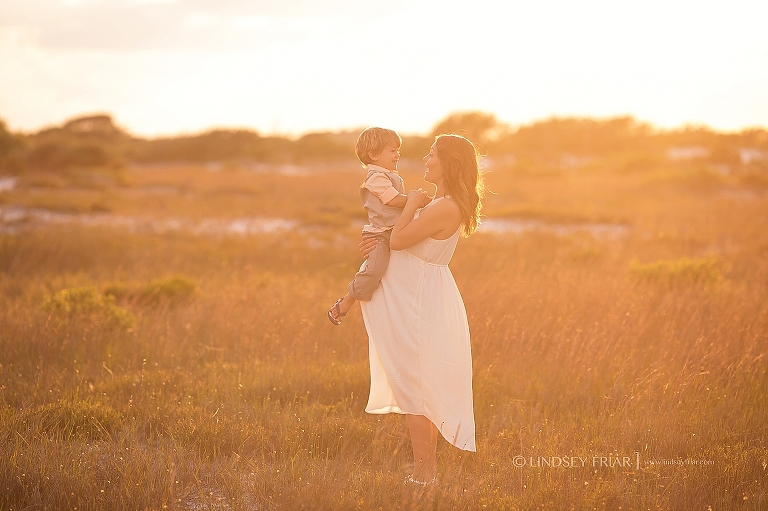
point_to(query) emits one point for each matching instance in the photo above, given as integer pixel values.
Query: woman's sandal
(338, 313)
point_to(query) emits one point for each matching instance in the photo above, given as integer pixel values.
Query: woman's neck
(440, 191)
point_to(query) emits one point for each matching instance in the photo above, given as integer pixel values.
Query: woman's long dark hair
(462, 177)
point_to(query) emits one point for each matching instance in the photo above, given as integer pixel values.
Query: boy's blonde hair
(374, 140)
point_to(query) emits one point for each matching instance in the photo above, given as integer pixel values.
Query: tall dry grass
(229, 388)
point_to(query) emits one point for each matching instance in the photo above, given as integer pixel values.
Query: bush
(11, 149)
(679, 272)
(85, 303)
(172, 290)
(59, 155)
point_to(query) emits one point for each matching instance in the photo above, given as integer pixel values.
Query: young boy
(383, 196)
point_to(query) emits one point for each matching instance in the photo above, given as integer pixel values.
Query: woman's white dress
(418, 338)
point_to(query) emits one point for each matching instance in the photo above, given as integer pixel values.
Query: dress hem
(396, 409)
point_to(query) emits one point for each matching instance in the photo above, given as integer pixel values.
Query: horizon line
(297, 135)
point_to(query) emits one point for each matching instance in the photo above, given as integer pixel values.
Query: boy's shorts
(368, 278)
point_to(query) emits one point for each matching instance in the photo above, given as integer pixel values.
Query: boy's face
(387, 158)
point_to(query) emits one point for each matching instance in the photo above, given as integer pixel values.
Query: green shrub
(86, 303)
(172, 290)
(119, 291)
(679, 272)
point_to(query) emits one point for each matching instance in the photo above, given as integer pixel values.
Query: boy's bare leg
(424, 443)
(346, 303)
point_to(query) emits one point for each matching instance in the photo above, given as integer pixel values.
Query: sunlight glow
(169, 66)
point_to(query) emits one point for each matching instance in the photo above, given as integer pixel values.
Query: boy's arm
(398, 201)
(382, 188)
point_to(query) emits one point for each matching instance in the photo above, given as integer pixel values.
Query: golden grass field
(178, 370)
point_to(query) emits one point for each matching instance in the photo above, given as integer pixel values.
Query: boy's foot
(339, 309)
(335, 314)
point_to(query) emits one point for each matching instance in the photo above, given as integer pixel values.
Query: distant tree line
(95, 141)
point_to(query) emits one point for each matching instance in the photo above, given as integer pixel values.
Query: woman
(417, 327)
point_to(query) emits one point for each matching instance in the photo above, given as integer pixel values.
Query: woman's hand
(419, 197)
(366, 246)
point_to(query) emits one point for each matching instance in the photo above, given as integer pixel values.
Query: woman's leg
(424, 442)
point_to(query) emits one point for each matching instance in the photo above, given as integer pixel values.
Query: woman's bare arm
(441, 220)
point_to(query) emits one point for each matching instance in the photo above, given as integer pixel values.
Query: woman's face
(434, 173)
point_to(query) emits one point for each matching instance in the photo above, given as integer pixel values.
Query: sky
(287, 67)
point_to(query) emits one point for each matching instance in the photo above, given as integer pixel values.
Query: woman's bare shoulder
(445, 206)
(444, 212)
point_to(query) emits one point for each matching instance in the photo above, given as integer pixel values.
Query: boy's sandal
(338, 313)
